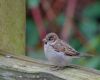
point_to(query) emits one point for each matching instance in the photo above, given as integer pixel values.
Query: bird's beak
(45, 41)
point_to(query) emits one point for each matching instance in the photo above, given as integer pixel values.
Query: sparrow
(58, 52)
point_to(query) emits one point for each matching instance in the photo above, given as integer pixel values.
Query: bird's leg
(54, 68)
(60, 67)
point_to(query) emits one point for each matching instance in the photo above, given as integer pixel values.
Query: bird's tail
(86, 55)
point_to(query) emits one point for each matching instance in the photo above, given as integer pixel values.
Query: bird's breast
(48, 48)
(49, 51)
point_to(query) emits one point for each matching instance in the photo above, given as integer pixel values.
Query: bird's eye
(50, 38)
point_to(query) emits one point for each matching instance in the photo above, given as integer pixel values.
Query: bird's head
(50, 38)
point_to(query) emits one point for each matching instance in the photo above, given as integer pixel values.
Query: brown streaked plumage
(61, 46)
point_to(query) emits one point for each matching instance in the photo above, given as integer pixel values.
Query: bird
(58, 52)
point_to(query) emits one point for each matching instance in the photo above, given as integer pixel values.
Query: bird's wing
(61, 46)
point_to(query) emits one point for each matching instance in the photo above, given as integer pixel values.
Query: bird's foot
(55, 68)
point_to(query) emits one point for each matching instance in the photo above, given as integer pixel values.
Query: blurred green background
(44, 16)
